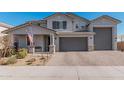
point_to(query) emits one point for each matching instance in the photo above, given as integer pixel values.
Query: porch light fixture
(90, 37)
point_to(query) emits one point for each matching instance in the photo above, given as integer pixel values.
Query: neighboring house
(3, 27)
(68, 32)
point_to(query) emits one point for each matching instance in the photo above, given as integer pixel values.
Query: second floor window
(59, 24)
(55, 25)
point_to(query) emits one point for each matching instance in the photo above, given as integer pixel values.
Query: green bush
(11, 60)
(13, 52)
(22, 53)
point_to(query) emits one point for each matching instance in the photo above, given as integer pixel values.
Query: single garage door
(103, 38)
(73, 44)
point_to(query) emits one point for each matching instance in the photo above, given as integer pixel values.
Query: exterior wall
(60, 18)
(71, 23)
(79, 23)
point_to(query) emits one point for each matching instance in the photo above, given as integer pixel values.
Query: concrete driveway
(94, 58)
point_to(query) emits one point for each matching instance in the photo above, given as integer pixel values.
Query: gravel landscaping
(32, 60)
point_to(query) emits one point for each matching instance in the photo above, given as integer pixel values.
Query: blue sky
(16, 18)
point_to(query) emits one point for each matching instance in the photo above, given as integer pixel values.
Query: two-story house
(67, 32)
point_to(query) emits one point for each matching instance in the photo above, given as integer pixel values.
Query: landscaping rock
(31, 60)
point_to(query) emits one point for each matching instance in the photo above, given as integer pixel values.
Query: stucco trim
(75, 33)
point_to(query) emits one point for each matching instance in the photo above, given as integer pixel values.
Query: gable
(106, 20)
(58, 16)
(35, 30)
(74, 16)
(103, 21)
(66, 16)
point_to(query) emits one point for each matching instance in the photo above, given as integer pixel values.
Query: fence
(120, 46)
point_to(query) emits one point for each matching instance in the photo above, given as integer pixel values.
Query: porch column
(90, 43)
(114, 37)
(52, 44)
(91, 39)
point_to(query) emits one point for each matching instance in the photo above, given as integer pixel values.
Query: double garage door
(73, 44)
(103, 38)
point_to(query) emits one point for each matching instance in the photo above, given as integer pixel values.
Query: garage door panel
(73, 44)
(103, 38)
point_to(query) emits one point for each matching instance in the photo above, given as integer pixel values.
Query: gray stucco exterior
(80, 33)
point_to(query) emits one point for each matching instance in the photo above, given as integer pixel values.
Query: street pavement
(61, 72)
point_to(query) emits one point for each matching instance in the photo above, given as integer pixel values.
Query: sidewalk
(61, 72)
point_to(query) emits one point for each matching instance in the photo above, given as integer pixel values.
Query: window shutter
(57, 25)
(64, 24)
(54, 25)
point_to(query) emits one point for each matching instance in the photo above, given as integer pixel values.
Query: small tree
(5, 49)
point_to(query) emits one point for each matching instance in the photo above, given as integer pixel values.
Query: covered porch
(42, 42)
(43, 38)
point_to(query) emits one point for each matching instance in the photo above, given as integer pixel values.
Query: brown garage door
(73, 44)
(103, 38)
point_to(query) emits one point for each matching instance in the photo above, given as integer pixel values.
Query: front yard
(30, 59)
(93, 58)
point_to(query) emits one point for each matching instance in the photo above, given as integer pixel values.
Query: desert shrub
(5, 49)
(22, 53)
(11, 60)
(13, 52)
